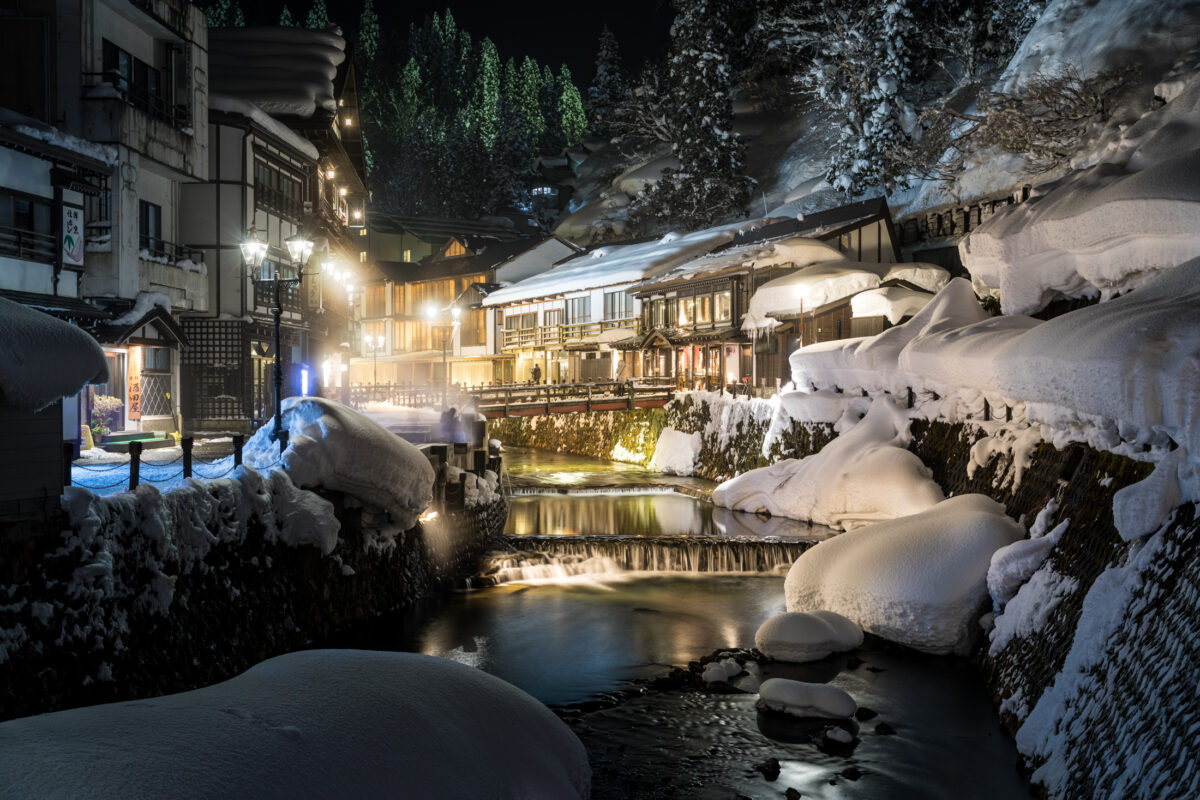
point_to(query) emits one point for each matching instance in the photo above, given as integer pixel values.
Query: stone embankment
(68, 640)
(1109, 651)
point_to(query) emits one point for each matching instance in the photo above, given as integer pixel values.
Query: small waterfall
(555, 557)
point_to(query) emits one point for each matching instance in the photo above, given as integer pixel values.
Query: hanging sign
(134, 384)
(72, 236)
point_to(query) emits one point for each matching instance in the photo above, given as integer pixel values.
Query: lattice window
(216, 370)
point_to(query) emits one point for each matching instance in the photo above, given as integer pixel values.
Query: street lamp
(254, 253)
(447, 326)
(375, 343)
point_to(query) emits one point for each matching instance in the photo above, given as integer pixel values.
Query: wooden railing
(546, 335)
(512, 400)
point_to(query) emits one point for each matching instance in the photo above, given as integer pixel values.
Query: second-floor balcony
(277, 202)
(113, 84)
(151, 248)
(550, 335)
(28, 245)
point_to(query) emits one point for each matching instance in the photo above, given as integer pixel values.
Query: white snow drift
(801, 636)
(917, 580)
(43, 358)
(676, 452)
(318, 723)
(802, 699)
(339, 449)
(863, 476)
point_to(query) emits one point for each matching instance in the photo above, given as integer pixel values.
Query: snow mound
(676, 452)
(801, 636)
(802, 699)
(1012, 565)
(1142, 508)
(43, 359)
(317, 723)
(863, 476)
(723, 670)
(893, 302)
(335, 447)
(917, 580)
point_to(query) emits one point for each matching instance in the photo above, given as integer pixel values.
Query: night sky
(551, 31)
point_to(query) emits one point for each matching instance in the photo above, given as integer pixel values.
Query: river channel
(610, 575)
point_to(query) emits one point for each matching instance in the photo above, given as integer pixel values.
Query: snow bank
(918, 580)
(805, 699)
(43, 359)
(893, 302)
(1012, 565)
(335, 447)
(676, 452)
(317, 723)
(801, 636)
(863, 476)
(479, 490)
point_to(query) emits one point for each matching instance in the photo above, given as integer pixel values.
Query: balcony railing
(178, 116)
(29, 245)
(276, 201)
(549, 335)
(170, 252)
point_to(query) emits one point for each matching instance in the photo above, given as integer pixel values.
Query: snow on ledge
(43, 358)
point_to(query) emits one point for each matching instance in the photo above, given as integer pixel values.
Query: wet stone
(883, 729)
(851, 773)
(792, 794)
(769, 768)
(863, 714)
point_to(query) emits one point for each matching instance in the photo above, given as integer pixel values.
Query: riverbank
(1065, 678)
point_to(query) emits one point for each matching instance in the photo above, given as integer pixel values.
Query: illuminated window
(454, 248)
(362, 257)
(361, 231)
(375, 304)
(704, 308)
(724, 306)
(687, 310)
(408, 255)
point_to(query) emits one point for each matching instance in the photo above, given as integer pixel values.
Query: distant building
(410, 312)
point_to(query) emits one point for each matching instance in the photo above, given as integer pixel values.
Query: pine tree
(608, 85)
(529, 88)
(710, 183)
(368, 33)
(573, 120)
(318, 16)
(286, 20)
(860, 74)
(224, 14)
(485, 99)
(552, 140)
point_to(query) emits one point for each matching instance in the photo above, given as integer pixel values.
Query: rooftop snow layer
(610, 265)
(234, 105)
(893, 302)
(796, 250)
(283, 71)
(816, 285)
(43, 358)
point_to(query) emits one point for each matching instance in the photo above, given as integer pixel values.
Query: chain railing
(131, 474)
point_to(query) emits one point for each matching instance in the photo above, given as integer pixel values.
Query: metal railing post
(238, 441)
(135, 464)
(68, 452)
(186, 443)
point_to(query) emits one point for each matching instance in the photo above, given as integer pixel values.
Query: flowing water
(601, 588)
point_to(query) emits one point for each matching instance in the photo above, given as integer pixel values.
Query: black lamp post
(254, 253)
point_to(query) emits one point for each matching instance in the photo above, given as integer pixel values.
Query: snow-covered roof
(829, 281)
(795, 250)
(610, 265)
(244, 108)
(283, 71)
(43, 358)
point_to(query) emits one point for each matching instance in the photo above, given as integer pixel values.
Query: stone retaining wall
(250, 600)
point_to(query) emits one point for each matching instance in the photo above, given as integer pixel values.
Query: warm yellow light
(358, 214)
(342, 191)
(330, 173)
(349, 122)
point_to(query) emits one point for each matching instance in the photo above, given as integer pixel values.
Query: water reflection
(533, 467)
(645, 514)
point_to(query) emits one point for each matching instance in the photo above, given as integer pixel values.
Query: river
(623, 577)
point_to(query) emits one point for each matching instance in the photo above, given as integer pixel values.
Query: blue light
(304, 381)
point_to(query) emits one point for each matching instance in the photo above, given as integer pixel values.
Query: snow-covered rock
(676, 452)
(43, 358)
(918, 580)
(316, 723)
(335, 447)
(1013, 565)
(801, 636)
(802, 699)
(863, 476)
(723, 670)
